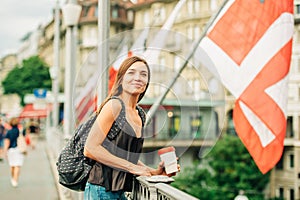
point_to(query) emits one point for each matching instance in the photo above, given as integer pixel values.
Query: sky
(19, 17)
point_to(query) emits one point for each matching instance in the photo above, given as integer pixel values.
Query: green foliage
(32, 74)
(227, 169)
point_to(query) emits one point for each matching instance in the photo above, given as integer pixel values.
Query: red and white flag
(250, 45)
(86, 101)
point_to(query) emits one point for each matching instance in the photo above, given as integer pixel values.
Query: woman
(14, 155)
(116, 138)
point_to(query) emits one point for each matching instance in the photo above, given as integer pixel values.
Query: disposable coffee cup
(168, 155)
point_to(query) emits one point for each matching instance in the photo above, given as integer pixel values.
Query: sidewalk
(36, 178)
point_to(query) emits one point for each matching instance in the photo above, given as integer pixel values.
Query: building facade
(197, 109)
(285, 177)
(9, 103)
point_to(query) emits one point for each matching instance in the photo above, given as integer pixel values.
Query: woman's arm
(6, 146)
(93, 146)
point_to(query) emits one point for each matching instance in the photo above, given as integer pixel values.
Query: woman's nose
(137, 76)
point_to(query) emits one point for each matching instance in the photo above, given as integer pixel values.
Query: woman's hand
(161, 170)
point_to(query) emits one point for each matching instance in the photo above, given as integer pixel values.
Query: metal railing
(144, 190)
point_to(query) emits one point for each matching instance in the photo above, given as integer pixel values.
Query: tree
(227, 169)
(23, 79)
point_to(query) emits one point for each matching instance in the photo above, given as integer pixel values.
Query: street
(36, 178)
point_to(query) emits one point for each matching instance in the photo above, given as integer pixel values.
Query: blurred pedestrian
(14, 156)
(33, 130)
(2, 134)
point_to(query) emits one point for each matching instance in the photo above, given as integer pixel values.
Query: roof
(30, 112)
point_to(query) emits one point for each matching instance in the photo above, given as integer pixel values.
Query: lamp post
(71, 13)
(54, 71)
(241, 196)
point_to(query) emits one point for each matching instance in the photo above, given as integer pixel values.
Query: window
(196, 86)
(85, 11)
(197, 6)
(90, 37)
(289, 127)
(115, 12)
(130, 16)
(279, 165)
(281, 193)
(177, 63)
(213, 5)
(96, 11)
(162, 64)
(156, 13)
(298, 64)
(291, 161)
(174, 123)
(190, 32)
(190, 87)
(162, 15)
(193, 86)
(195, 123)
(190, 6)
(230, 123)
(297, 9)
(146, 18)
(196, 32)
(298, 129)
(292, 194)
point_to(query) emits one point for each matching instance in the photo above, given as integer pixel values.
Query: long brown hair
(14, 122)
(117, 86)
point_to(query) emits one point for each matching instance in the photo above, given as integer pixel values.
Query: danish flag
(250, 45)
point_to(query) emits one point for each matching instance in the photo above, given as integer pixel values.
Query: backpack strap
(141, 112)
(120, 120)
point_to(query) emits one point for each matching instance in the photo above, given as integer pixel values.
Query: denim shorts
(97, 192)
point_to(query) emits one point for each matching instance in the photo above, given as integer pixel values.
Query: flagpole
(159, 100)
(103, 48)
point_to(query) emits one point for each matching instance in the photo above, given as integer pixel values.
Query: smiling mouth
(137, 85)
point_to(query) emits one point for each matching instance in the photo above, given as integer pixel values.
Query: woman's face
(135, 79)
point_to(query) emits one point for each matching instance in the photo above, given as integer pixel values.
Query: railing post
(144, 190)
(147, 190)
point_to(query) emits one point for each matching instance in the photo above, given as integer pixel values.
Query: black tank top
(121, 141)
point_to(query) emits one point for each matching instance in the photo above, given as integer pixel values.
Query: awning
(30, 112)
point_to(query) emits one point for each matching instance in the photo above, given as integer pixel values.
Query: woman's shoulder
(12, 131)
(112, 108)
(114, 104)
